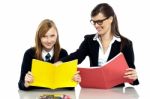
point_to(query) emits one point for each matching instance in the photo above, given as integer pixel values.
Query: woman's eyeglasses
(99, 22)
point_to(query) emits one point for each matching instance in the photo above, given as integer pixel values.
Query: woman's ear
(111, 19)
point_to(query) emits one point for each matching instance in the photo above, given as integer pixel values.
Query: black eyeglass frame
(99, 22)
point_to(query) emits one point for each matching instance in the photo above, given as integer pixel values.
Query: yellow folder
(50, 76)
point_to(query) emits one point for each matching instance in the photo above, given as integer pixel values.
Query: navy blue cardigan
(26, 66)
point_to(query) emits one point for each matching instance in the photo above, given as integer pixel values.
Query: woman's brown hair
(108, 11)
(43, 27)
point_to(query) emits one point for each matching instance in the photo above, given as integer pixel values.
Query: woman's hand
(28, 79)
(131, 74)
(77, 77)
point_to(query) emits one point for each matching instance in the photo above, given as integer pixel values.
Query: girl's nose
(48, 39)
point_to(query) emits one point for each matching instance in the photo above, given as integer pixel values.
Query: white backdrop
(19, 20)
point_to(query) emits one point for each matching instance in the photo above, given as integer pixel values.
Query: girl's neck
(48, 50)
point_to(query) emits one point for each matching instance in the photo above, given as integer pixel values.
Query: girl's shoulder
(62, 50)
(30, 50)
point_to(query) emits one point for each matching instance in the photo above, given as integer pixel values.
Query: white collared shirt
(102, 57)
(44, 53)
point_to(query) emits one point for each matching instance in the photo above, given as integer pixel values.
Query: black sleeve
(129, 55)
(26, 66)
(79, 54)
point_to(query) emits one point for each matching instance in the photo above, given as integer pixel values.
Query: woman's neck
(105, 41)
(107, 37)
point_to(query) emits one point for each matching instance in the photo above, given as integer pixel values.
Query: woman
(47, 48)
(106, 43)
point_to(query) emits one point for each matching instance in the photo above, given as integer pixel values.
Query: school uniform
(27, 62)
(92, 47)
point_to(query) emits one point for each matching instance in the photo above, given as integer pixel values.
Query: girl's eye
(52, 35)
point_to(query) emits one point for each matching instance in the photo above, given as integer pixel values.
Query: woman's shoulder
(89, 36)
(126, 40)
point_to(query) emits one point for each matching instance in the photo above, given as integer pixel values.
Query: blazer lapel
(95, 51)
(115, 49)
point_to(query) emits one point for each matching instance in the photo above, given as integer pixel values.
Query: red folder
(106, 76)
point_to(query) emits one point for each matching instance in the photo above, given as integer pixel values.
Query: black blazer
(26, 66)
(90, 47)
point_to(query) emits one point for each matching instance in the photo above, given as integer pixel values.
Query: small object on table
(54, 96)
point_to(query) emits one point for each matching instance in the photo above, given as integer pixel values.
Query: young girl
(47, 48)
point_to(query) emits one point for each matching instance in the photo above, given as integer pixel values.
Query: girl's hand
(28, 79)
(131, 74)
(58, 63)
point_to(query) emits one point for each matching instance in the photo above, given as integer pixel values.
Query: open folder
(50, 76)
(106, 76)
